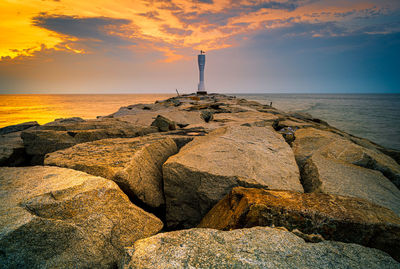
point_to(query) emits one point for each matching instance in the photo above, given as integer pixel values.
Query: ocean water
(44, 108)
(372, 116)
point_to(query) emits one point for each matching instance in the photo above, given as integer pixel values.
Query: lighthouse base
(201, 92)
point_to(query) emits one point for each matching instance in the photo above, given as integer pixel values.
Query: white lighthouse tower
(201, 90)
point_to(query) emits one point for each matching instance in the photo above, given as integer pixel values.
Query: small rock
(163, 124)
(207, 115)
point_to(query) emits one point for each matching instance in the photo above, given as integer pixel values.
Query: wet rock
(54, 217)
(12, 150)
(18, 127)
(163, 124)
(207, 168)
(60, 135)
(259, 247)
(336, 218)
(135, 164)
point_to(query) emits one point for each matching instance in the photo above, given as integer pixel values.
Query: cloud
(151, 15)
(94, 28)
(176, 31)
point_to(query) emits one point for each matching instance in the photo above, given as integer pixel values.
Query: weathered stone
(72, 119)
(207, 168)
(321, 174)
(18, 127)
(12, 151)
(310, 141)
(258, 247)
(135, 164)
(60, 135)
(163, 124)
(207, 115)
(54, 217)
(336, 218)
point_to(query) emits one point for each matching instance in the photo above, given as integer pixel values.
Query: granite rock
(336, 218)
(135, 164)
(54, 217)
(60, 134)
(207, 168)
(258, 247)
(321, 174)
(310, 141)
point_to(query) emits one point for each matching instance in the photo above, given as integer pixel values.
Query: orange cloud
(167, 25)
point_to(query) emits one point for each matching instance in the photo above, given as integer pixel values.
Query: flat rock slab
(135, 164)
(54, 217)
(310, 141)
(207, 168)
(321, 174)
(62, 134)
(259, 247)
(336, 218)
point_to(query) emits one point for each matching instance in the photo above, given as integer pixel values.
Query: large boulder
(64, 133)
(322, 174)
(135, 164)
(336, 218)
(207, 168)
(258, 247)
(310, 141)
(54, 217)
(12, 150)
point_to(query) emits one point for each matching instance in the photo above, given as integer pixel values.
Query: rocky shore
(208, 181)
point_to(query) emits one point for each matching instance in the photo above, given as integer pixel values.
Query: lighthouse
(201, 58)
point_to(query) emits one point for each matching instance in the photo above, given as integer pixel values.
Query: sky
(151, 46)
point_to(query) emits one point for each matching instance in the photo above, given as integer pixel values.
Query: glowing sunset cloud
(166, 31)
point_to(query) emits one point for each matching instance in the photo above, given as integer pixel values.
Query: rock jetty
(208, 181)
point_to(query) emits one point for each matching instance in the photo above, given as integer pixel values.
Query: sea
(372, 116)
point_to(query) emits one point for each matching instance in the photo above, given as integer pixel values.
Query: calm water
(46, 107)
(376, 117)
(372, 116)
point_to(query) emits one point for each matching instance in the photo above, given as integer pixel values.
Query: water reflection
(46, 107)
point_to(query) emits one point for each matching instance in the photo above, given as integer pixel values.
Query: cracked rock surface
(207, 168)
(337, 218)
(133, 163)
